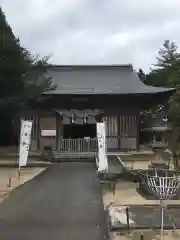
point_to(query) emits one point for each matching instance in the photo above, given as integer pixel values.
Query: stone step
(60, 155)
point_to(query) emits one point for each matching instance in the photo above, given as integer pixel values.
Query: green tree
(142, 75)
(22, 78)
(174, 136)
(22, 75)
(166, 73)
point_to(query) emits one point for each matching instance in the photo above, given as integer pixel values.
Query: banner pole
(19, 167)
(19, 172)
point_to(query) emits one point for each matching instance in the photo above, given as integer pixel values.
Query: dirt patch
(126, 194)
(9, 179)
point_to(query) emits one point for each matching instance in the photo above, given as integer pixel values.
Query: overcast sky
(95, 31)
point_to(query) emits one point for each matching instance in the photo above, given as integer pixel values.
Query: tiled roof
(99, 79)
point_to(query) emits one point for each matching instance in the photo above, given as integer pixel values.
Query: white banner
(101, 137)
(25, 138)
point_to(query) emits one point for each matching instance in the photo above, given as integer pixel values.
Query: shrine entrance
(79, 131)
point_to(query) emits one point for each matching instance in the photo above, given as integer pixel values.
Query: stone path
(64, 202)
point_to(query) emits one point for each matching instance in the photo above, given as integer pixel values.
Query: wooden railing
(77, 145)
(114, 144)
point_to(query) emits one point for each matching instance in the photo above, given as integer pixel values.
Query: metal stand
(162, 220)
(164, 184)
(163, 210)
(127, 217)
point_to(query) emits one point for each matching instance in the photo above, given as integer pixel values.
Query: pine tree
(166, 71)
(168, 55)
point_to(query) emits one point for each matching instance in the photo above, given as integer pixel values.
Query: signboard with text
(25, 138)
(101, 137)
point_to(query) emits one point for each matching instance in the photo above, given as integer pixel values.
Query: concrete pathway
(64, 202)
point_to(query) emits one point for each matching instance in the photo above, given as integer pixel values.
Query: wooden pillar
(58, 122)
(119, 132)
(138, 130)
(38, 131)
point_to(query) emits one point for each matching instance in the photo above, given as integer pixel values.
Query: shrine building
(65, 118)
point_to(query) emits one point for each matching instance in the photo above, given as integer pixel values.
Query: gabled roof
(99, 79)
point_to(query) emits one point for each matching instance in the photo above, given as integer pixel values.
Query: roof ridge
(90, 65)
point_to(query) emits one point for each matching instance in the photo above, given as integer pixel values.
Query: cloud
(95, 32)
